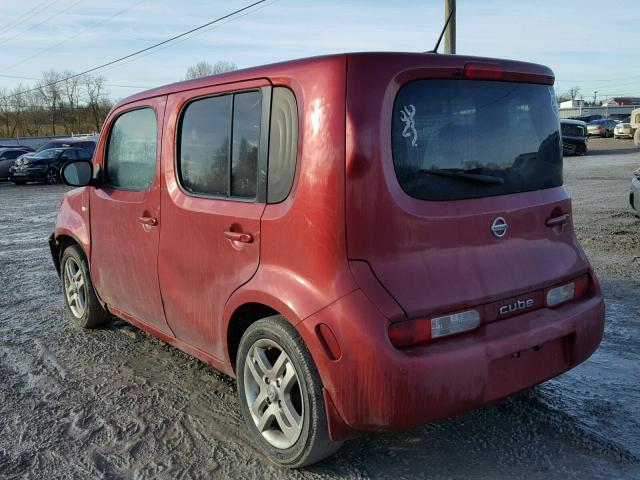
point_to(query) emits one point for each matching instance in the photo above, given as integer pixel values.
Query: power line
(153, 52)
(117, 60)
(106, 84)
(67, 39)
(50, 17)
(16, 21)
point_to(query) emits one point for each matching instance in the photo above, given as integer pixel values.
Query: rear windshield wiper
(462, 174)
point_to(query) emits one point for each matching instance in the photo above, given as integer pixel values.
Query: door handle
(239, 236)
(556, 221)
(151, 221)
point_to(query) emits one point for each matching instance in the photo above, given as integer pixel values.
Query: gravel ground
(117, 403)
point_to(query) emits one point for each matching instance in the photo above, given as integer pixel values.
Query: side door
(215, 175)
(125, 213)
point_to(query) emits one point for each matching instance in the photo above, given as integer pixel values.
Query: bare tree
(49, 89)
(97, 100)
(204, 68)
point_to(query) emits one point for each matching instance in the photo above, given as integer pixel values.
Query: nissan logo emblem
(499, 227)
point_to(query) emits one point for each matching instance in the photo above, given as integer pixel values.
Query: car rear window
(459, 139)
(572, 130)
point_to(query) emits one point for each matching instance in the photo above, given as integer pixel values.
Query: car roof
(573, 122)
(382, 59)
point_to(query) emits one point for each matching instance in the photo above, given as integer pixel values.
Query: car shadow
(614, 151)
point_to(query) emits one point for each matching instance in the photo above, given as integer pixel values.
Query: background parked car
(623, 129)
(602, 128)
(88, 144)
(44, 166)
(618, 116)
(23, 147)
(7, 158)
(574, 137)
(587, 118)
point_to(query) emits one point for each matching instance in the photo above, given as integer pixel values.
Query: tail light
(569, 291)
(412, 332)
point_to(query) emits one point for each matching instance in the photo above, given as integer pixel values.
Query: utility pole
(595, 95)
(450, 33)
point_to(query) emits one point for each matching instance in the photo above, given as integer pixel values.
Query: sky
(588, 43)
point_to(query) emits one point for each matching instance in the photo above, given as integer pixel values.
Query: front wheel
(52, 176)
(79, 296)
(280, 395)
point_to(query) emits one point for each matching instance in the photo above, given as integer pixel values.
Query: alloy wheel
(273, 394)
(75, 287)
(52, 177)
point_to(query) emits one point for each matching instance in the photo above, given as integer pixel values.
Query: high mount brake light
(412, 332)
(483, 71)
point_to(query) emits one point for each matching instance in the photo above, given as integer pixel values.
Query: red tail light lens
(412, 332)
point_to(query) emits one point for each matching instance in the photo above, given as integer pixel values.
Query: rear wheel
(79, 296)
(281, 395)
(52, 176)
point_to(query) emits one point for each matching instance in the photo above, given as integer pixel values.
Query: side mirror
(78, 173)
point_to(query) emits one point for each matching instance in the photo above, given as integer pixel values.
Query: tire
(83, 306)
(53, 176)
(289, 401)
(581, 150)
(636, 137)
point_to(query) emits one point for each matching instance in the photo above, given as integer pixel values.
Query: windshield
(571, 130)
(51, 153)
(482, 129)
(49, 145)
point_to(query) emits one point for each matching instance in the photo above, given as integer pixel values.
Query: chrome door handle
(239, 236)
(556, 221)
(151, 221)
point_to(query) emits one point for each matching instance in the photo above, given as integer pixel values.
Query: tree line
(61, 103)
(58, 104)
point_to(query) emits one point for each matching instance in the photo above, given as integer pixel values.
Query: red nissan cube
(366, 241)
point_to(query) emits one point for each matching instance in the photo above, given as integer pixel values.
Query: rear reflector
(412, 332)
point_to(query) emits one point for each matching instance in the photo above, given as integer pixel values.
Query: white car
(623, 129)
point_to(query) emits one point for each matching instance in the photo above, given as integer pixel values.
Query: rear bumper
(374, 386)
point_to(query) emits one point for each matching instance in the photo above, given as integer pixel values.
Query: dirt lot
(116, 403)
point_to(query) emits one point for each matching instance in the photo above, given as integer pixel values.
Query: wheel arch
(58, 244)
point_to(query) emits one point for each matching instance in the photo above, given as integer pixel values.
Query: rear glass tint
(572, 130)
(459, 139)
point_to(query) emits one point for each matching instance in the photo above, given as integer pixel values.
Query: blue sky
(586, 44)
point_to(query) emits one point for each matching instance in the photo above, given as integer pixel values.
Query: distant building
(571, 104)
(621, 101)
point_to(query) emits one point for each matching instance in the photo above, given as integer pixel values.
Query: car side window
(84, 154)
(130, 161)
(218, 145)
(71, 154)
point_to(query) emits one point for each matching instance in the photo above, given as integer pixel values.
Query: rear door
(214, 174)
(125, 213)
(466, 205)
